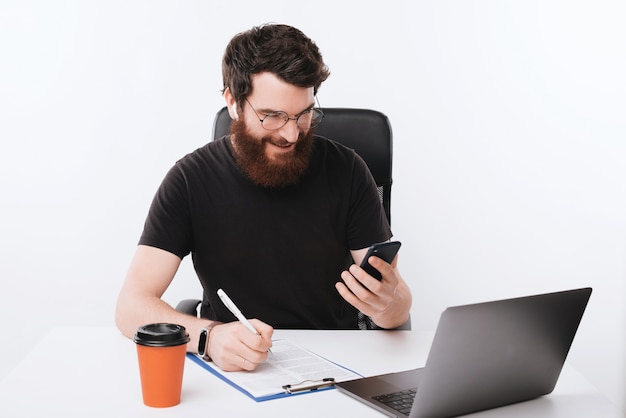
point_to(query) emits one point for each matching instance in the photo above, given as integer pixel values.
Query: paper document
(288, 364)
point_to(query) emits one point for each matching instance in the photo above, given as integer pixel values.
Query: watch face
(202, 341)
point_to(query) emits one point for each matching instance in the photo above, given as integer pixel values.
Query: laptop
(483, 356)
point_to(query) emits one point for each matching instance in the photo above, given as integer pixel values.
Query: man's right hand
(232, 347)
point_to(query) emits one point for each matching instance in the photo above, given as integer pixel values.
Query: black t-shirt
(277, 252)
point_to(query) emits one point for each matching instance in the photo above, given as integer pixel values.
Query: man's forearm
(132, 314)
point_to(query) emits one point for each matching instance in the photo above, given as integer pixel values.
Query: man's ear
(235, 111)
(231, 104)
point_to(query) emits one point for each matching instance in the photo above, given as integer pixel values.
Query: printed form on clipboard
(289, 370)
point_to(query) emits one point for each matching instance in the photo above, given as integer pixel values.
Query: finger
(266, 331)
(235, 360)
(352, 299)
(244, 363)
(385, 269)
(361, 283)
(247, 365)
(260, 341)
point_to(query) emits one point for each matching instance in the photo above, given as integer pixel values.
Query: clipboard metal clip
(310, 385)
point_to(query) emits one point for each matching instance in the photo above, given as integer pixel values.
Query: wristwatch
(203, 341)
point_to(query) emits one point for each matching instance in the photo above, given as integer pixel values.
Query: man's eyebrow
(268, 111)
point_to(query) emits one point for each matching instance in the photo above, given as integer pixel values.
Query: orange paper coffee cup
(161, 352)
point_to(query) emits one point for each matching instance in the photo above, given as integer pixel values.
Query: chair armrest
(188, 306)
(406, 326)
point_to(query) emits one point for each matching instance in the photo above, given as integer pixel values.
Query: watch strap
(203, 340)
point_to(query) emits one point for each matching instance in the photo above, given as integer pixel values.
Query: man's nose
(290, 131)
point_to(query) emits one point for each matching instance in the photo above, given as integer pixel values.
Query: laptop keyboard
(400, 401)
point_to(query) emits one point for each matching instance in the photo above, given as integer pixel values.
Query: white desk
(92, 371)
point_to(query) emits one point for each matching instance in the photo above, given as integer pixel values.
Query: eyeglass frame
(286, 119)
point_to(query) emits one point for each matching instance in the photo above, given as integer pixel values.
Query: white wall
(509, 123)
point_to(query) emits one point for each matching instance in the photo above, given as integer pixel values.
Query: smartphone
(384, 250)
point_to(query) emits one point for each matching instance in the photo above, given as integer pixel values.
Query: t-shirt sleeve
(367, 222)
(168, 224)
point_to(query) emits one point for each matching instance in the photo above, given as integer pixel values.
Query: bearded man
(276, 216)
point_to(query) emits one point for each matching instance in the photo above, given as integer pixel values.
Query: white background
(509, 123)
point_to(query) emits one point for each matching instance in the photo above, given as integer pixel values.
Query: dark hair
(279, 49)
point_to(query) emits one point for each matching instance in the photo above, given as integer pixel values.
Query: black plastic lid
(161, 335)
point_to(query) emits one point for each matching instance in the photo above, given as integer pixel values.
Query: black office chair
(366, 131)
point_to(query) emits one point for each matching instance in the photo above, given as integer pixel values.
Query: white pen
(235, 310)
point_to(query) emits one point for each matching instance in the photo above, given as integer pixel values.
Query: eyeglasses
(306, 120)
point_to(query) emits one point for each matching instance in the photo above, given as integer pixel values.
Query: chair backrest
(366, 131)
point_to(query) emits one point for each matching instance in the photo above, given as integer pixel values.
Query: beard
(283, 170)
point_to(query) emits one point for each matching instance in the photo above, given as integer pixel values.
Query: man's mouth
(283, 146)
